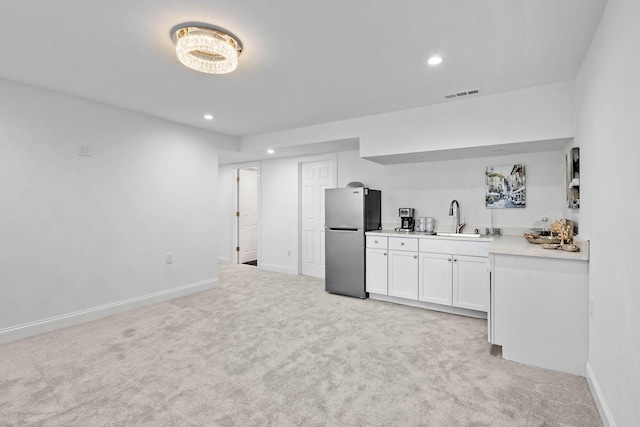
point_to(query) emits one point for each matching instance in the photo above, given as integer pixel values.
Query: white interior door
(315, 178)
(247, 215)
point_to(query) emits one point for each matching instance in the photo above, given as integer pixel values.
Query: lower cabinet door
(471, 282)
(403, 274)
(377, 271)
(436, 278)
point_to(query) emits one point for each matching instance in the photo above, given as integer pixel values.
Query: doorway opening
(247, 216)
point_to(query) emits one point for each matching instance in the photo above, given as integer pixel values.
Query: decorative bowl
(550, 245)
(534, 238)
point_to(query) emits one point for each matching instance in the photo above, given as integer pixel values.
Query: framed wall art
(573, 178)
(505, 187)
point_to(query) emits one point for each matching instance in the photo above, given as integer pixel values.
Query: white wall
(226, 228)
(277, 214)
(504, 118)
(607, 131)
(278, 210)
(279, 195)
(84, 232)
(529, 115)
(532, 114)
(430, 187)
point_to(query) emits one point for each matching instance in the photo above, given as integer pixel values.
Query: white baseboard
(277, 268)
(430, 306)
(601, 403)
(224, 260)
(25, 330)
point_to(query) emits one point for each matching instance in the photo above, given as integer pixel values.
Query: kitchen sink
(459, 234)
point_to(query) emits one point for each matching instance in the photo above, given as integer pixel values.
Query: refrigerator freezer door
(344, 207)
(345, 262)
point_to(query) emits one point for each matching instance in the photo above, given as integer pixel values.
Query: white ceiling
(304, 62)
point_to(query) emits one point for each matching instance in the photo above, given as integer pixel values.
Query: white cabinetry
(403, 267)
(376, 265)
(392, 271)
(439, 274)
(435, 278)
(376, 271)
(540, 311)
(403, 274)
(458, 277)
(471, 282)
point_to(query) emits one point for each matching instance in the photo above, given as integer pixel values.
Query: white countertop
(501, 245)
(517, 245)
(421, 235)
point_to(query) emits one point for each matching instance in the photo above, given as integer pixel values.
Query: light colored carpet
(272, 349)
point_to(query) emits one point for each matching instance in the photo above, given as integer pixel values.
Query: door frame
(333, 157)
(238, 190)
(236, 220)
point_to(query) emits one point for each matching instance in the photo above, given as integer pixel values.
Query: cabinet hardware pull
(449, 260)
(375, 241)
(455, 260)
(385, 254)
(415, 256)
(401, 243)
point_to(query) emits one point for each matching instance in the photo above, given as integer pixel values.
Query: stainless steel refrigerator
(349, 212)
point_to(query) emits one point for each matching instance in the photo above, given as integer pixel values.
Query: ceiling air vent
(463, 93)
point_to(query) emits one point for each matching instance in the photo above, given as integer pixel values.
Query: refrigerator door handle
(343, 230)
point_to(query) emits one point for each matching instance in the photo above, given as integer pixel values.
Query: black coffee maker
(406, 219)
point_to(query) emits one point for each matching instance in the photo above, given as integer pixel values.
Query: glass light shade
(206, 50)
(435, 60)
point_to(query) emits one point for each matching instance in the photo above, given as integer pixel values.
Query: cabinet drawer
(377, 242)
(403, 244)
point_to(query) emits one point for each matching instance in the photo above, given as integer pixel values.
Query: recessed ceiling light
(434, 60)
(208, 117)
(270, 151)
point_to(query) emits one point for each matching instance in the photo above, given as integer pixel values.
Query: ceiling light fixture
(208, 50)
(208, 117)
(434, 60)
(270, 151)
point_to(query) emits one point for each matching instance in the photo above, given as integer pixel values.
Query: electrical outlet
(85, 150)
(168, 258)
(591, 309)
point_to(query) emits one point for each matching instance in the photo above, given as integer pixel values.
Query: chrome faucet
(455, 212)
